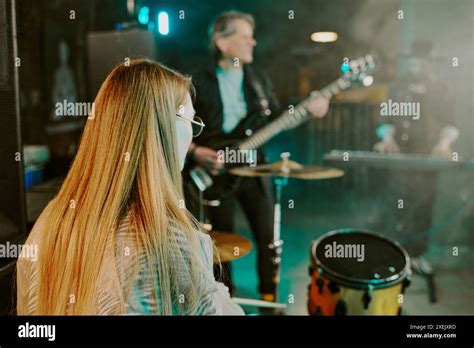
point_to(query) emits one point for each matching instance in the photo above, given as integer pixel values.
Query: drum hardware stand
(203, 181)
(205, 223)
(424, 268)
(277, 242)
(280, 172)
(258, 303)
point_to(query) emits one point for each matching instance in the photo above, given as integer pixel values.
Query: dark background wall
(284, 50)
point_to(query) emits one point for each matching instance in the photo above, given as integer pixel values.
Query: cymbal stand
(277, 242)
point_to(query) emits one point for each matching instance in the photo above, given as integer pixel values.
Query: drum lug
(341, 308)
(320, 285)
(406, 284)
(333, 287)
(318, 311)
(367, 297)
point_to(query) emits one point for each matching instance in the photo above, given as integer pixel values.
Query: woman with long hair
(117, 239)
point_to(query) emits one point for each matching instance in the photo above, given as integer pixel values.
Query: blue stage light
(144, 15)
(345, 67)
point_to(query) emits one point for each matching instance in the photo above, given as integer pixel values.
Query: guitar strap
(262, 98)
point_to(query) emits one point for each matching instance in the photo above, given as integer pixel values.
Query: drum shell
(349, 293)
(383, 301)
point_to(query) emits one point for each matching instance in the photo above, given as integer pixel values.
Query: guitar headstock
(359, 70)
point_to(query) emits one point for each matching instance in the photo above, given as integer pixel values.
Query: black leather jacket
(208, 103)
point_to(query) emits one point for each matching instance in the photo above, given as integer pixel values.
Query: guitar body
(225, 185)
(255, 130)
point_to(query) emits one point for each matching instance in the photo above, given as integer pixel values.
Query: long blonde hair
(127, 163)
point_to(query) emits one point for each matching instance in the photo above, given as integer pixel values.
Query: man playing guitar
(228, 92)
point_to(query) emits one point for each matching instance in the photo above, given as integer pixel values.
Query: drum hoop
(356, 282)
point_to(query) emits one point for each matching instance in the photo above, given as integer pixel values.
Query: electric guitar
(250, 134)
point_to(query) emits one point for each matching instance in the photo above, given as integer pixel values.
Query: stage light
(144, 15)
(345, 67)
(151, 26)
(130, 6)
(368, 81)
(324, 36)
(163, 23)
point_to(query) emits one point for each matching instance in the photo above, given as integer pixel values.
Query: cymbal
(230, 246)
(290, 169)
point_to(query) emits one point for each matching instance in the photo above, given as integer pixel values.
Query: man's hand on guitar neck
(206, 157)
(318, 106)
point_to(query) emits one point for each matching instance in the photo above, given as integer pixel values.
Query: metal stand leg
(425, 269)
(201, 208)
(277, 243)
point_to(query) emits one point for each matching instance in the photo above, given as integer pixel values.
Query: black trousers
(255, 198)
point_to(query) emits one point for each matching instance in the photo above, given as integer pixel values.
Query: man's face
(240, 44)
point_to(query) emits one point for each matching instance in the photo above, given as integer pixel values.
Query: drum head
(359, 259)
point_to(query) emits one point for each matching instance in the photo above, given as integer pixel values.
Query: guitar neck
(290, 119)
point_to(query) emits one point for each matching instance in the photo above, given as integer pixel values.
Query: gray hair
(223, 26)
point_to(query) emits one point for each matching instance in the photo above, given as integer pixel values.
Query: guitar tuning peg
(368, 80)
